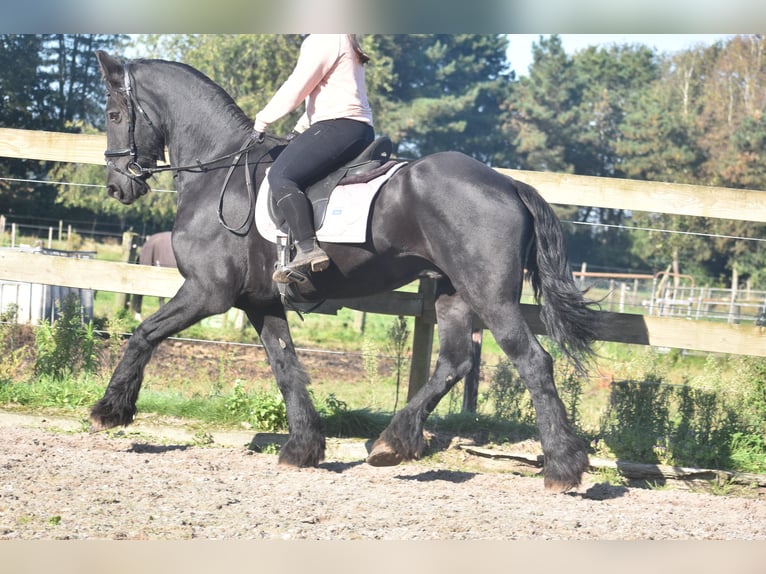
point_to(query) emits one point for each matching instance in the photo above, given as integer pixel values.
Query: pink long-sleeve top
(328, 77)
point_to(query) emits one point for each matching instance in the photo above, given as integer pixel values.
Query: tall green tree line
(616, 111)
(625, 111)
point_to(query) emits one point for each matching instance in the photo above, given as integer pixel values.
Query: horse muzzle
(128, 190)
(127, 184)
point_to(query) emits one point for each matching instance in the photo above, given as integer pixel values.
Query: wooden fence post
(471, 380)
(422, 338)
(128, 254)
(734, 288)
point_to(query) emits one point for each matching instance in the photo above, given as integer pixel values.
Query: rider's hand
(292, 135)
(257, 136)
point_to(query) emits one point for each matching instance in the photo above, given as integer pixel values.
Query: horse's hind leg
(306, 445)
(403, 438)
(563, 450)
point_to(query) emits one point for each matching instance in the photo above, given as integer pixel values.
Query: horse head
(134, 142)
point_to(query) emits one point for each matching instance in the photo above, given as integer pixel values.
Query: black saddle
(372, 162)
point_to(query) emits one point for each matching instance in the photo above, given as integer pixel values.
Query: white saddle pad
(347, 211)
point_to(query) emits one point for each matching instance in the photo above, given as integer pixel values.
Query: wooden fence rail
(165, 282)
(692, 200)
(561, 188)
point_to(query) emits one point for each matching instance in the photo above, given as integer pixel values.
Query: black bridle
(136, 172)
(133, 170)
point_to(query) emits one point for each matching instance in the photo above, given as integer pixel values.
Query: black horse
(446, 214)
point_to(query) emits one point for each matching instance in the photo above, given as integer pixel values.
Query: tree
(70, 68)
(701, 123)
(20, 89)
(444, 92)
(542, 112)
(250, 68)
(660, 143)
(47, 82)
(568, 115)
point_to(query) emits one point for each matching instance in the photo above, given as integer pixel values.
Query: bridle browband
(136, 172)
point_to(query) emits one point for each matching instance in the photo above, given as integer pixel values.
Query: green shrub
(264, 411)
(66, 346)
(268, 412)
(509, 396)
(636, 423)
(683, 425)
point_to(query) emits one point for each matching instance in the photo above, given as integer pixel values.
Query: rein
(135, 171)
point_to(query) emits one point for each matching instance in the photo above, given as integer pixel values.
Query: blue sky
(520, 49)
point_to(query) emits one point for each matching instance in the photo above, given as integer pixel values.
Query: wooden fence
(702, 201)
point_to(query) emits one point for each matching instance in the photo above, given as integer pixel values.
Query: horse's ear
(111, 68)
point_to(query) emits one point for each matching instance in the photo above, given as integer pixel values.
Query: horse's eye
(114, 116)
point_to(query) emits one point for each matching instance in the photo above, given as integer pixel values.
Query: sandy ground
(157, 482)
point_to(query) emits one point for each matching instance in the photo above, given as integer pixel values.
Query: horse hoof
(288, 465)
(560, 486)
(383, 455)
(98, 425)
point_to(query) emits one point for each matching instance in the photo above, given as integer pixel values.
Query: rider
(335, 128)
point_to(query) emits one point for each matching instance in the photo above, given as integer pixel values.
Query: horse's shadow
(146, 448)
(604, 491)
(340, 467)
(454, 476)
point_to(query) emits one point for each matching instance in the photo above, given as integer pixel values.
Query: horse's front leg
(306, 445)
(118, 405)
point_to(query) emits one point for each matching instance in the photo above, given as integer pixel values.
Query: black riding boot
(297, 211)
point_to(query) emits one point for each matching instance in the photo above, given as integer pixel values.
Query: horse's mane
(217, 95)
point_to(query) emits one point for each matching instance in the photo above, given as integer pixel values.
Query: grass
(682, 408)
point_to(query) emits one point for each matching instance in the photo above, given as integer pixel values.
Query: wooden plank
(164, 282)
(671, 332)
(637, 195)
(393, 303)
(628, 469)
(53, 146)
(561, 188)
(89, 274)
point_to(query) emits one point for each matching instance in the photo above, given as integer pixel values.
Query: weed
(370, 355)
(657, 485)
(264, 411)
(748, 451)
(636, 423)
(509, 395)
(610, 476)
(268, 412)
(202, 438)
(333, 405)
(723, 485)
(271, 448)
(237, 405)
(398, 337)
(340, 421)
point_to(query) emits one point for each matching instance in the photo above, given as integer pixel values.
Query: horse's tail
(570, 319)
